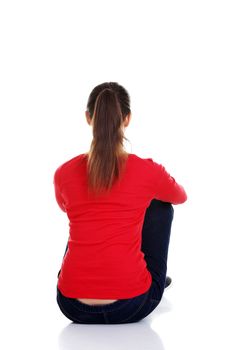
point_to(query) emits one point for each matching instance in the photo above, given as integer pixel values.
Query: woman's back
(104, 258)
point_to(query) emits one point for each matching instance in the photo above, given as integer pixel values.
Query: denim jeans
(155, 242)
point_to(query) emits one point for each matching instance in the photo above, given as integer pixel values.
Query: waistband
(100, 308)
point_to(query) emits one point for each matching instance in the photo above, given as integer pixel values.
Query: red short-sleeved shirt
(104, 258)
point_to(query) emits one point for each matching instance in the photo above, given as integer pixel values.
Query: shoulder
(62, 167)
(147, 162)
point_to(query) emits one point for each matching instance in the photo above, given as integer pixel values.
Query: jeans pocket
(150, 305)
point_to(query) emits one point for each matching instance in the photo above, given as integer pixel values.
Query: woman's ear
(127, 119)
(88, 117)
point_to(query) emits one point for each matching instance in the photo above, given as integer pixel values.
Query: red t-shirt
(104, 258)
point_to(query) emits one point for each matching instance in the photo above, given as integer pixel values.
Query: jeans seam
(140, 307)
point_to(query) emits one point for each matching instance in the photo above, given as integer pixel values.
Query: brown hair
(108, 106)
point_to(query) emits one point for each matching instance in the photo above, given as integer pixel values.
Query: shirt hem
(107, 294)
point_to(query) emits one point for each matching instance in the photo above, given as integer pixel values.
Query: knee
(165, 207)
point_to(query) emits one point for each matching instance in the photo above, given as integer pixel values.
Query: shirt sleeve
(166, 188)
(58, 196)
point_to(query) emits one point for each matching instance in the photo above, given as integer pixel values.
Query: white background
(175, 59)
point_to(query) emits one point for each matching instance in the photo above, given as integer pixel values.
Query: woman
(120, 214)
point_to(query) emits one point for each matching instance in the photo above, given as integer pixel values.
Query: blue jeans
(155, 242)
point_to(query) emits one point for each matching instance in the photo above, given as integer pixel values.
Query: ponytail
(105, 161)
